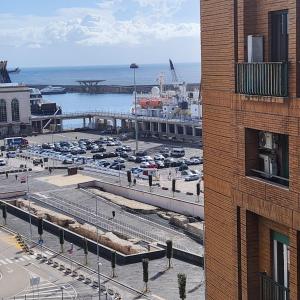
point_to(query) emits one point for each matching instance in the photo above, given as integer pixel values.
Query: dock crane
(175, 80)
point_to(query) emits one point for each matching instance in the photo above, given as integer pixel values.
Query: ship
(175, 103)
(53, 90)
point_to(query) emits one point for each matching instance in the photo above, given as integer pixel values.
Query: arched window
(3, 113)
(15, 110)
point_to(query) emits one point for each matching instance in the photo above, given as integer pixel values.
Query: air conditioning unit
(266, 140)
(269, 164)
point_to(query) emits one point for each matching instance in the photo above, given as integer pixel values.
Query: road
(19, 268)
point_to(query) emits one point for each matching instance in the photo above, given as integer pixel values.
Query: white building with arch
(15, 114)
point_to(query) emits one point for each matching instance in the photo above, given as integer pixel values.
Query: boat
(53, 90)
(174, 103)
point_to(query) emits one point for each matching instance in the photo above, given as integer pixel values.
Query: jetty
(185, 129)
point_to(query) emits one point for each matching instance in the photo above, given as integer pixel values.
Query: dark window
(279, 36)
(15, 110)
(3, 113)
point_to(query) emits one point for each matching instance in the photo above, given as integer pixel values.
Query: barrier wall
(168, 203)
(12, 194)
(77, 239)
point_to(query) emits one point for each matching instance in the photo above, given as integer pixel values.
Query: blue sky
(95, 32)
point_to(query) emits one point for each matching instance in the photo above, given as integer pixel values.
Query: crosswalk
(21, 258)
(47, 291)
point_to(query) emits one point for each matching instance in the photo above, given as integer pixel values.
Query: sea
(113, 75)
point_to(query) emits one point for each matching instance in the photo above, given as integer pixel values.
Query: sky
(37, 33)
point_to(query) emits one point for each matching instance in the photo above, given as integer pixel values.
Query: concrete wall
(13, 194)
(168, 203)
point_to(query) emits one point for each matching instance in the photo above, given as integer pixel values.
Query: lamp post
(99, 294)
(62, 292)
(134, 66)
(28, 197)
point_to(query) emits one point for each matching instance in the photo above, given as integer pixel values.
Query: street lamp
(99, 294)
(134, 67)
(62, 292)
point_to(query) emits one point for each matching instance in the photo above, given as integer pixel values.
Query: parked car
(145, 164)
(160, 164)
(159, 157)
(178, 152)
(183, 167)
(68, 161)
(119, 160)
(141, 153)
(192, 177)
(132, 158)
(2, 162)
(139, 159)
(117, 166)
(11, 154)
(98, 156)
(124, 155)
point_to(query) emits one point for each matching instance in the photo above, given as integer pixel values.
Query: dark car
(124, 154)
(117, 166)
(98, 156)
(139, 159)
(183, 167)
(112, 154)
(141, 153)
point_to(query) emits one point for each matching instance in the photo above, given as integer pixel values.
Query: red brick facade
(240, 210)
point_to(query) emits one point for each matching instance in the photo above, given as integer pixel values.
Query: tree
(86, 250)
(145, 263)
(61, 239)
(169, 252)
(113, 262)
(182, 285)
(40, 227)
(4, 212)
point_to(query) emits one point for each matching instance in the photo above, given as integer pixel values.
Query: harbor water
(91, 102)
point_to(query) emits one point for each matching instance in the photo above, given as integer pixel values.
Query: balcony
(262, 79)
(271, 290)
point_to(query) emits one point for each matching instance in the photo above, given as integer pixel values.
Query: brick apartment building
(251, 96)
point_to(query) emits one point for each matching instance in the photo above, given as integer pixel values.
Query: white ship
(52, 90)
(177, 103)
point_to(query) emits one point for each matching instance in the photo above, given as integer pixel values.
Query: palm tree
(182, 285)
(145, 263)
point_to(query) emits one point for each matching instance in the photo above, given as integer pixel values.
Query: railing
(263, 79)
(271, 290)
(270, 177)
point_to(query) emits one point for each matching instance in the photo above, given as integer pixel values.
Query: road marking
(9, 261)
(3, 262)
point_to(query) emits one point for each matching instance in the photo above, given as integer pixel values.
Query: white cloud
(99, 26)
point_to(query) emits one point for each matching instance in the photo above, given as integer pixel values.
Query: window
(267, 156)
(15, 110)
(281, 260)
(3, 113)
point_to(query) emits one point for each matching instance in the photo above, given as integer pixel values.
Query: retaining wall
(167, 203)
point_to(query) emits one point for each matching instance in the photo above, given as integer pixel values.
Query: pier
(185, 129)
(83, 87)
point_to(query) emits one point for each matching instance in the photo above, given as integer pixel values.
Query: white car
(2, 162)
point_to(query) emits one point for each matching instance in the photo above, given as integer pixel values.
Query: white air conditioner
(266, 140)
(269, 164)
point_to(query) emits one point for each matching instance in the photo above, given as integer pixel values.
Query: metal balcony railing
(263, 79)
(271, 290)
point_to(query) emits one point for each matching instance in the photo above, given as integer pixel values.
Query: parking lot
(109, 155)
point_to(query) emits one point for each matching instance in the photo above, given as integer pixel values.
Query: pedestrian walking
(16, 176)
(50, 170)
(6, 174)
(134, 181)
(170, 175)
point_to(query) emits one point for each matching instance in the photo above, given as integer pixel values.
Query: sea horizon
(112, 74)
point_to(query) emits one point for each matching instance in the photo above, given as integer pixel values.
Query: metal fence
(271, 290)
(103, 221)
(263, 79)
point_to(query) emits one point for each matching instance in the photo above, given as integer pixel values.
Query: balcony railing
(263, 79)
(271, 290)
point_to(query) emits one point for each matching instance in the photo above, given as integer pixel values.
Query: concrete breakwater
(114, 89)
